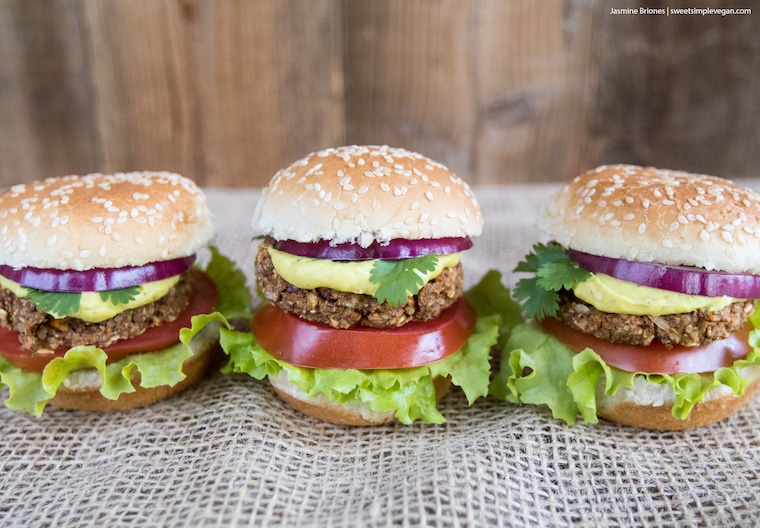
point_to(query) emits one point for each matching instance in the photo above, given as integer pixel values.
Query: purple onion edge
(681, 279)
(396, 249)
(95, 279)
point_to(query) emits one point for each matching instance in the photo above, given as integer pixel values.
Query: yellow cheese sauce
(346, 276)
(612, 295)
(93, 309)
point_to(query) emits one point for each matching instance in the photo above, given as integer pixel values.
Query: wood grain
(228, 92)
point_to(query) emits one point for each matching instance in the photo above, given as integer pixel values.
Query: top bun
(365, 194)
(102, 221)
(653, 215)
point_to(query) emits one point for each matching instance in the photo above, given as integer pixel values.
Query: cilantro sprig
(65, 304)
(122, 296)
(57, 304)
(399, 278)
(553, 271)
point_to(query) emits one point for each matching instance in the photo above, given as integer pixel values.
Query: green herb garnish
(121, 296)
(554, 271)
(400, 278)
(58, 304)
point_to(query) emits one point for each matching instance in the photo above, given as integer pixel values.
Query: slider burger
(360, 267)
(643, 302)
(101, 307)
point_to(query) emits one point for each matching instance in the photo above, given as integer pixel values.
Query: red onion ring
(398, 248)
(682, 279)
(97, 279)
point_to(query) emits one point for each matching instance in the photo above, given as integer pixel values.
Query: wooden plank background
(226, 92)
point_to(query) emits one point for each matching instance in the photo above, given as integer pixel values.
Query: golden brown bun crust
(102, 221)
(91, 400)
(330, 412)
(655, 215)
(365, 194)
(660, 418)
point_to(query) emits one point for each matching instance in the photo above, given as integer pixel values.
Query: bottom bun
(640, 406)
(321, 407)
(87, 397)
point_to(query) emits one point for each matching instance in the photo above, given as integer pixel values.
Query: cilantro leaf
(121, 296)
(399, 278)
(536, 301)
(556, 276)
(542, 254)
(57, 304)
(554, 271)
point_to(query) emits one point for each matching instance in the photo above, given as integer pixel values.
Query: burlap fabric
(228, 453)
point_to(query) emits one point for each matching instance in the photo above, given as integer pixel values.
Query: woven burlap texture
(228, 452)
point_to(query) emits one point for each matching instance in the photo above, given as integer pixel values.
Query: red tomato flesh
(656, 357)
(153, 339)
(314, 345)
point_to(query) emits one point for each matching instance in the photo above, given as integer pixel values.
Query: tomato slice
(153, 339)
(314, 345)
(656, 357)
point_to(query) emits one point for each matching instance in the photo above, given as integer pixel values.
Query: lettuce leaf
(409, 392)
(31, 391)
(538, 369)
(234, 296)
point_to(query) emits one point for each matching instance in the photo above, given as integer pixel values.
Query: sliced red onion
(398, 248)
(682, 279)
(98, 279)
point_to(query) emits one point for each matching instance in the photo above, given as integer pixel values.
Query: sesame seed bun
(654, 215)
(366, 194)
(102, 221)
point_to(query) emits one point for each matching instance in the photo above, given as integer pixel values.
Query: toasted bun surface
(87, 397)
(636, 406)
(363, 194)
(353, 414)
(102, 221)
(654, 215)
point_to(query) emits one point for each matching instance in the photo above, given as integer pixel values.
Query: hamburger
(359, 265)
(642, 303)
(102, 305)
